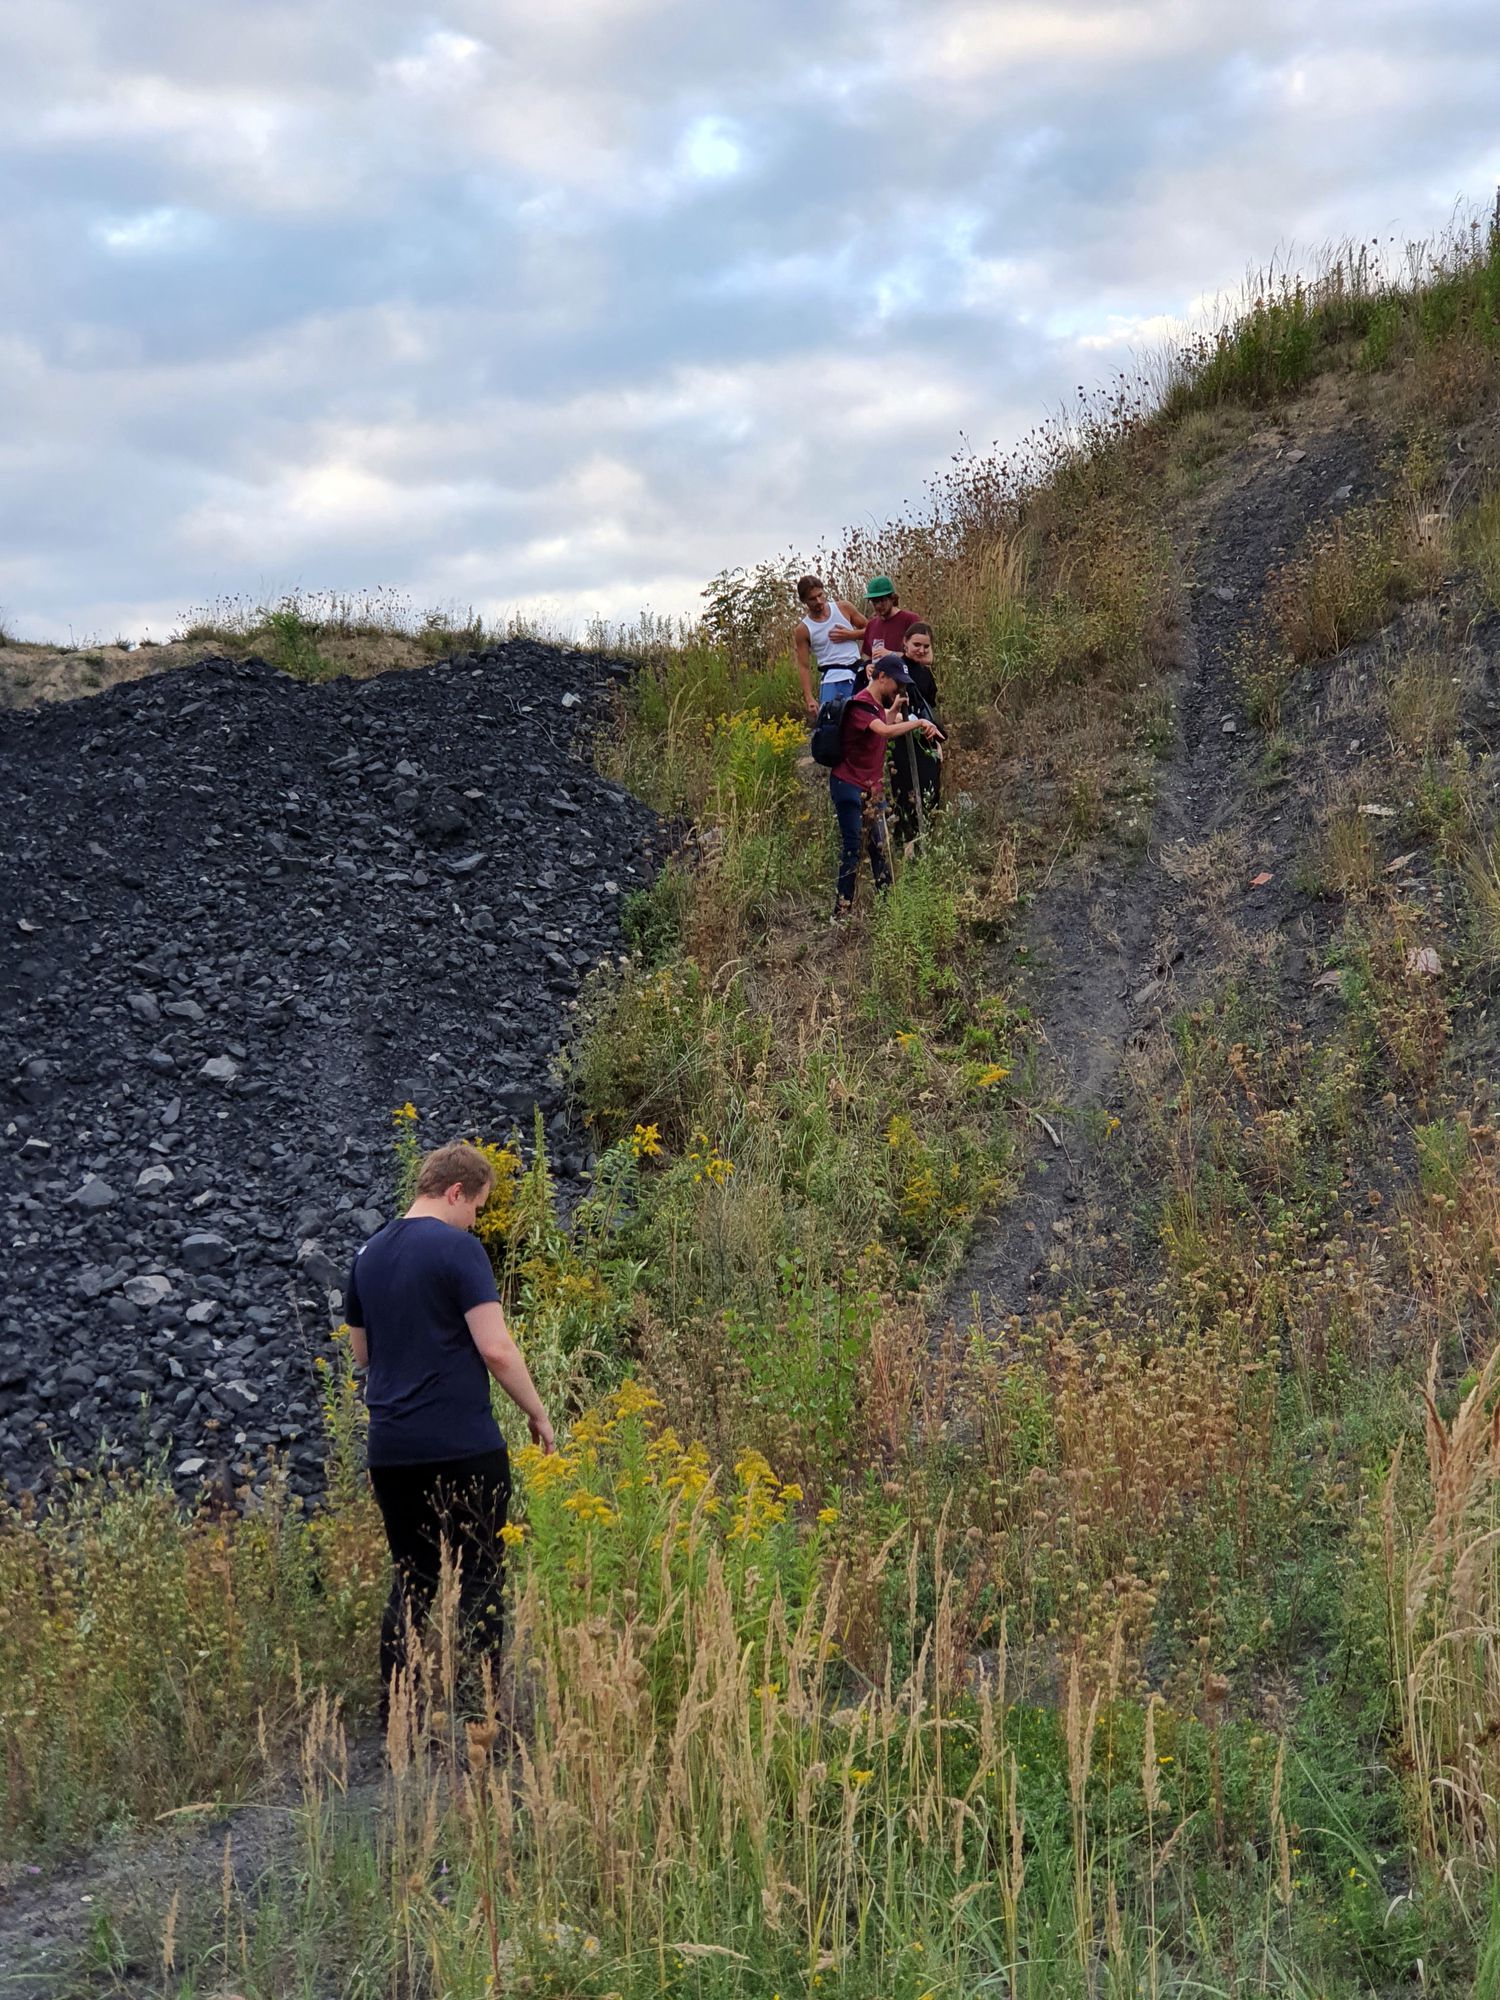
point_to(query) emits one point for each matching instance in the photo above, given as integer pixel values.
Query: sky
(561, 308)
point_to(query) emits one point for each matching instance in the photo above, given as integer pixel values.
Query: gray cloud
(570, 307)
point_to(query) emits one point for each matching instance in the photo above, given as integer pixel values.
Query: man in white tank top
(829, 632)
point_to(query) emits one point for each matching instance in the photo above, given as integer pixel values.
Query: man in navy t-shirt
(425, 1320)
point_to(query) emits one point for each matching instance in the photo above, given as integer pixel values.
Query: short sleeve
(861, 712)
(354, 1312)
(474, 1281)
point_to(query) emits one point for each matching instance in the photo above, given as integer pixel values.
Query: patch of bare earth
(30, 674)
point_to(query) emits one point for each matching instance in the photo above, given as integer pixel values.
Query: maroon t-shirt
(863, 761)
(891, 631)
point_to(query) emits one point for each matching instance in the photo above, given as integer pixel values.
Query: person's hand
(931, 730)
(878, 649)
(812, 709)
(842, 632)
(541, 1433)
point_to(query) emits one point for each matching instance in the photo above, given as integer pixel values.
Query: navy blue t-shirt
(428, 1388)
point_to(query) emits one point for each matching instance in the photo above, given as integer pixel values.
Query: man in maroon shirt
(886, 624)
(856, 784)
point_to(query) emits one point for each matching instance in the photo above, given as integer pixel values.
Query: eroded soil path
(1112, 953)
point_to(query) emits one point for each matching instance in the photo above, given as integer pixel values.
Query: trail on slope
(1111, 955)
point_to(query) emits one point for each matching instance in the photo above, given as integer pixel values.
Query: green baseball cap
(880, 586)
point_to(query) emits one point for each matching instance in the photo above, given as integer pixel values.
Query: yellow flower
(993, 1073)
(405, 1114)
(645, 1142)
(591, 1508)
(828, 1515)
(631, 1400)
(544, 1469)
(860, 1777)
(513, 1534)
(791, 1492)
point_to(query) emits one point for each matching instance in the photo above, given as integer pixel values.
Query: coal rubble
(244, 918)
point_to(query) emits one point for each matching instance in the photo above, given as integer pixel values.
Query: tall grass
(698, 1779)
(1362, 306)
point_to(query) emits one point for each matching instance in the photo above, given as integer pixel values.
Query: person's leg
(848, 810)
(475, 1503)
(413, 1531)
(877, 839)
(903, 805)
(930, 774)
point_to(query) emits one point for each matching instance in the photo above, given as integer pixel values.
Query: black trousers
(904, 794)
(460, 1501)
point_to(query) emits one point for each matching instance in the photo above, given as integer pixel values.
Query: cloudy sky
(567, 305)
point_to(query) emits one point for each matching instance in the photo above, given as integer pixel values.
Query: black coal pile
(244, 918)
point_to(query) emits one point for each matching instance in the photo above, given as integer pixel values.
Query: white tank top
(831, 652)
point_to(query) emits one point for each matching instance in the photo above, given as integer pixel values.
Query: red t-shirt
(891, 631)
(863, 761)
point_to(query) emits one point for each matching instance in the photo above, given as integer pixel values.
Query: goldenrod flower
(645, 1142)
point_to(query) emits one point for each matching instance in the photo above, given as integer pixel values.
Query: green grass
(1352, 312)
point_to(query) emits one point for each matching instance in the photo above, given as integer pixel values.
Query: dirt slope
(1111, 953)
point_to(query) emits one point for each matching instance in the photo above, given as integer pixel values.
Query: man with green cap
(887, 625)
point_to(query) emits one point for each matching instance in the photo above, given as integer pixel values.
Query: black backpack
(827, 744)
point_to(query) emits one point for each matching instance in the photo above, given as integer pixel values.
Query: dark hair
(459, 1163)
(806, 585)
(912, 631)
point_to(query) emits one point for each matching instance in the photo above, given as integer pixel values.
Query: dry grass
(1424, 700)
(1442, 1574)
(1353, 573)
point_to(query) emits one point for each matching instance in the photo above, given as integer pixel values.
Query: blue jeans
(861, 818)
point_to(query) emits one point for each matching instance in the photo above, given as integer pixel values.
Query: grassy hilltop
(1027, 1523)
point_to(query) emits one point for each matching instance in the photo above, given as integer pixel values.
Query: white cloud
(710, 150)
(150, 231)
(574, 305)
(443, 62)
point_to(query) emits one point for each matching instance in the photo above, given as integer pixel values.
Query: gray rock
(202, 1311)
(149, 1289)
(95, 1193)
(204, 1250)
(220, 1069)
(318, 1267)
(188, 1466)
(152, 1179)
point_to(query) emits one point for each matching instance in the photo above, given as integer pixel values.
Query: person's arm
(804, 668)
(354, 1318)
(502, 1357)
(853, 624)
(890, 729)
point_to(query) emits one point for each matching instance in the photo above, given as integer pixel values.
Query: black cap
(893, 665)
